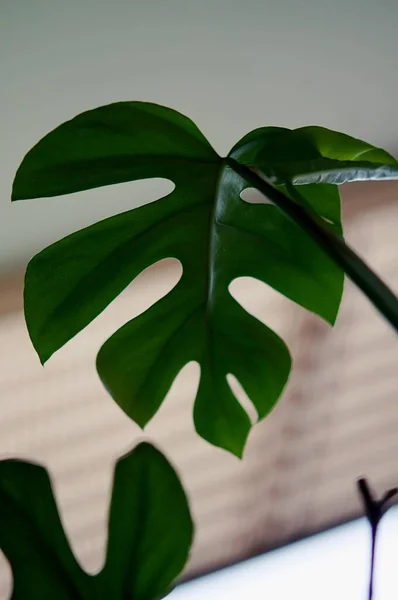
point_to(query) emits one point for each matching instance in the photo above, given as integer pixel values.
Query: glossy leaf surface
(149, 535)
(313, 155)
(216, 236)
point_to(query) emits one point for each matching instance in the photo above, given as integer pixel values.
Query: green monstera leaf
(216, 236)
(149, 535)
(313, 155)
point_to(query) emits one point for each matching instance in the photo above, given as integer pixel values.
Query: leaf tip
(16, 193)
(44, 354)
(239, 455)
(145, 447)
(143, 450)
(42, 359)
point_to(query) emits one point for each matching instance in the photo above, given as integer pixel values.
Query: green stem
(372, 561)
(371, 285)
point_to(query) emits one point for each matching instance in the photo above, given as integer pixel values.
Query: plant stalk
(354, 267)
(374, 511)
(372, 561)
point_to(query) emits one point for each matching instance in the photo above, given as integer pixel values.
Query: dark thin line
(170, 338)
(119, 248)
(299, 265)
(130, 579)
(372, 562)
(372, 286)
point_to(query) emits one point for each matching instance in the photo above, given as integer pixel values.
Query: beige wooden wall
(337, 420)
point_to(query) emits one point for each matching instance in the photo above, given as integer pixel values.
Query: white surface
(229, 65)
(328, 566)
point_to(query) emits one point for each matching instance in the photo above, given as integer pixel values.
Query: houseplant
(294, 244)
(149, 533)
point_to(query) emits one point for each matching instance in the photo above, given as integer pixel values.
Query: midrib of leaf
(256, 236)
(48, 551)
(209, 287)
(166, 159)
(213, 224)
(193, 135)
(363, 152)
(122, 163)
(377, 292)
(210, 283)
(169, 340)
(127, 587)
(120, 249)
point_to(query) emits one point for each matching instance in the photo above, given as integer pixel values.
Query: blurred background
(230, 66)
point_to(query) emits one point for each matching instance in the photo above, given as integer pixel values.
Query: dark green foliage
(216, 236)
(149, 534)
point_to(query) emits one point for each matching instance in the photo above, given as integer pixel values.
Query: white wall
(230, 65)
(329, 566)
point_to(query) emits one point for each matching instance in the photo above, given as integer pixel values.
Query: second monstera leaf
(207, 226)
(150, 533)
